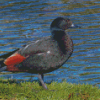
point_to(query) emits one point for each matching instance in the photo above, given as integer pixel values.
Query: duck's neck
(62, 38)
(58, 35)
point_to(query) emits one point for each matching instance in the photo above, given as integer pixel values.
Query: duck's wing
(30, 49)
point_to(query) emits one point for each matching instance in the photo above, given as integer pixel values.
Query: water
(22, 21)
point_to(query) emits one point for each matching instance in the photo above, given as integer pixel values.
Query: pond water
(22, 21)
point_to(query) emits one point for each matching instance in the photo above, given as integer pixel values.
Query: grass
(10, 90)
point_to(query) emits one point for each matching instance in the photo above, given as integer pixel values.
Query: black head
(61, 24)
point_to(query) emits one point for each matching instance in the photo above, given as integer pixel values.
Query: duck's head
(61, 24)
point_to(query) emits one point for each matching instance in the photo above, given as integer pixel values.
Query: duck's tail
(3, 67)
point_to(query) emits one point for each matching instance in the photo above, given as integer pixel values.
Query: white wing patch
(26, 47)
(40, 54)
(48, 52)
(37, 41)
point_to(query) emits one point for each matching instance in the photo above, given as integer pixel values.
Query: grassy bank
(57, 91)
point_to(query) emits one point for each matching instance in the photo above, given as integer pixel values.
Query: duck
(44, 55)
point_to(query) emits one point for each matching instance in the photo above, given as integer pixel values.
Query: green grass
(57, 91)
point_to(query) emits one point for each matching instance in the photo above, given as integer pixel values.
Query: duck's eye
(62, 24)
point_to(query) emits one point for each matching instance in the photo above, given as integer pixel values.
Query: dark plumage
(44, 55)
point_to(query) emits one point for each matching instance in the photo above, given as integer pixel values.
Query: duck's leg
(42, 82)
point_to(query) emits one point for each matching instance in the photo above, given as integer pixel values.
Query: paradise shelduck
(44, 55)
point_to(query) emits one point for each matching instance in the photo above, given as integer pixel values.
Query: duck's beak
(74, 26)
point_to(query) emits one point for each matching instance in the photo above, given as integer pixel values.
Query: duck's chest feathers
(65, 44)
